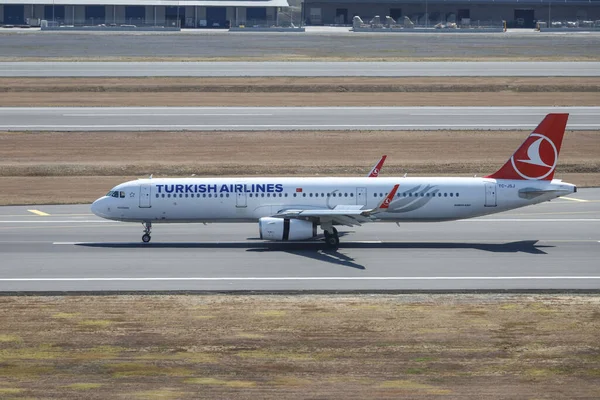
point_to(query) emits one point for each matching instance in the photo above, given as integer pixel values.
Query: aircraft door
(241, 200)
(145, 195)
(490, 194)
(361, 196)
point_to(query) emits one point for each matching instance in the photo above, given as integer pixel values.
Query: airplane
(293, 208)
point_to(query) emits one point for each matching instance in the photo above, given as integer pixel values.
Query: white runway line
(299, 278)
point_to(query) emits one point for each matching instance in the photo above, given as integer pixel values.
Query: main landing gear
(332, 239)
(147, 230)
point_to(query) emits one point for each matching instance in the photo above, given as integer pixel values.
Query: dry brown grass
(184, 99)
(41, 92)
(272, 347)
(72, 167)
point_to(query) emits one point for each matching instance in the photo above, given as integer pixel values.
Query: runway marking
(531, 220)
(316, 242)
(303, 278)
(52, 215)
(303, 126)
(74, 221)
(150, 114)
(40, 213)
(574, 199)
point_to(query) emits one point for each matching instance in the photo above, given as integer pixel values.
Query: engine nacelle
(286, 229)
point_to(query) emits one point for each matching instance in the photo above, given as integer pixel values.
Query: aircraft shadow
(319, 251)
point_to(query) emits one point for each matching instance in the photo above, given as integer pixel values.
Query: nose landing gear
(147, 230)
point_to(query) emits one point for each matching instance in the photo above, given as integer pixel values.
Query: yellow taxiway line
(38, 212)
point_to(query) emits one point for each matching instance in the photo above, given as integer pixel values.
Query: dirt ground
(77, 99)
(501, 91)
(81, 166)
(273, 347)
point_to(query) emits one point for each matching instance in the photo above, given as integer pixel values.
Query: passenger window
(451, 194)
(351, 194)
(203, 194)
(163, 195)
(345, 194)
(456, 194)
(294, 194)
(186, 195)
(157, 195)
(169, 195)
(445, 194)
(303, 194)
(285, 195)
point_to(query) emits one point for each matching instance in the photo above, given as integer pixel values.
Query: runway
(554, 245)
(312, 69)
(287, 118)
(201, 45)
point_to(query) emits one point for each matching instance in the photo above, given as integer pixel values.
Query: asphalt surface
(286, 118)
(214, 44)
(314, 69)
(554, 245)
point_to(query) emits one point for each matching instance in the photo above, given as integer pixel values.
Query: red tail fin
(538, 155)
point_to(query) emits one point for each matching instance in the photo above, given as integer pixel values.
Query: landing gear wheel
(147, 230)
(333, 241)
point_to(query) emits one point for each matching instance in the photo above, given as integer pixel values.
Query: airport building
(517, 13)
(171, 13)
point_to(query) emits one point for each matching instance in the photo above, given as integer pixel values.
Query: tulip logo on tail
(539, 159)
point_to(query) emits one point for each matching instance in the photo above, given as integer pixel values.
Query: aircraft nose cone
(96, 208)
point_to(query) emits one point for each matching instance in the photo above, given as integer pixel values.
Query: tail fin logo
(536, 159)
(375, 173)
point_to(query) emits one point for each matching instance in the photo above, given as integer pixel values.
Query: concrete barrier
(428, 30)
(265, 29)
(111, 28)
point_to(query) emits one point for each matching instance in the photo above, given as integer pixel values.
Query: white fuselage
(249, 199)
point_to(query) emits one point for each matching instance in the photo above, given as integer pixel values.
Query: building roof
(399, 3)
(168, 3)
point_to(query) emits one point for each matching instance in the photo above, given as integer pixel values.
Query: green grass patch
(64, 315)
(10, 339)
(129, 369)
(220, 382)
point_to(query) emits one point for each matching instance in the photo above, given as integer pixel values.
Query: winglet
(383, 206)
(537, 157)
(377, 168)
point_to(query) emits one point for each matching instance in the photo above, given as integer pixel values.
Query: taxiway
(287, 118)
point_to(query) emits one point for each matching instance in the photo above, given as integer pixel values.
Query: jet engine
(286, 229)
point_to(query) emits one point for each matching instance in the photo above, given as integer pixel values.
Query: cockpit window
(116, 194)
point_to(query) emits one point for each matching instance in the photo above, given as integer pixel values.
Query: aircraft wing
(349, 215)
